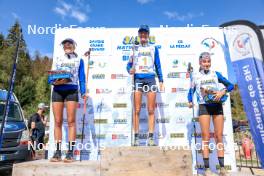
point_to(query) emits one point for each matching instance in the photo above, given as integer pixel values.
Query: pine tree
(31, 78)
(2, 40)
(14, 32)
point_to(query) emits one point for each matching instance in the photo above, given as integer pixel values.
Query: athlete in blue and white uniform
(208, 80)
(75, 65)
(144, 64)
(210, 95)
(65, 92)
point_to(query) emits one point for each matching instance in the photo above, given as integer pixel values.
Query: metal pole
(85, 101)
(11, 87)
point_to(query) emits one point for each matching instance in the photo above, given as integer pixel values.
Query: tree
(238, 112)
(43, 90)
(40, 65)
(2, 40)
(15, 31)
(31, 77)
(5, 67)
(26, 91)
(24, 63)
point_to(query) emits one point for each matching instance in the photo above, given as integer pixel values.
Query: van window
(14, 112)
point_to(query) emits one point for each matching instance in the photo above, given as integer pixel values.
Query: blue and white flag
(245, 42)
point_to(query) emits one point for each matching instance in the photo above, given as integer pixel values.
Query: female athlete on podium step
(210, 98)
(144, 64)
(70, 68)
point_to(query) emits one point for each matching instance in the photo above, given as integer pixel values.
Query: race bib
(145, 61)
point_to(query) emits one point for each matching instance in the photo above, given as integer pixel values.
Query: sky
(120, 13)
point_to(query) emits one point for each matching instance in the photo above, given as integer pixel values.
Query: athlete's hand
(162, 88)
(87, 53)
(60, 81)
(190, 104)
(219, 94)
(85, 96)
(132, 71)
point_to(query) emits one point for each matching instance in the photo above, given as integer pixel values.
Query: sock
(221, 161)
(58, 146)
(136, 136)
(151, 135)
(71, 146)
(206, 163)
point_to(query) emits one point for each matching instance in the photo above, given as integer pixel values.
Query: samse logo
(129, 40)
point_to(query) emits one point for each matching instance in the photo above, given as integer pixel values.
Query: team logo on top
(210, 43)
(128, 40)
(242, 44)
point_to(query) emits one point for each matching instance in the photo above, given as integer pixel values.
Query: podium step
(119, 161)
(146, 161)
(46, 168)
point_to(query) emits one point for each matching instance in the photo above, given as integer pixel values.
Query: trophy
(209, 96)
(59, 77)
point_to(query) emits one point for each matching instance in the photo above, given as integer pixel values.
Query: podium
(118, 161)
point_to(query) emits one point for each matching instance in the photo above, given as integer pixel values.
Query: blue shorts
(145, 85)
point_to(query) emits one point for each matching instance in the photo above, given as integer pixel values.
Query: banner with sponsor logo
(245, 42)
(109, 111)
